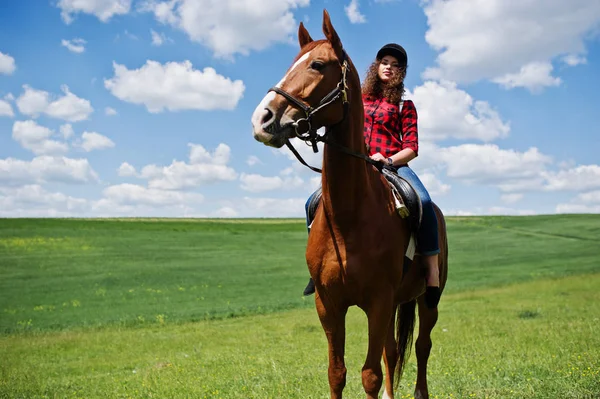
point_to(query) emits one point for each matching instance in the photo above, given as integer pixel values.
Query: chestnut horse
(357, 243)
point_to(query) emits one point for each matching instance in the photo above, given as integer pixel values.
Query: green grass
(59, 274)
(144, 308)
(483, 347)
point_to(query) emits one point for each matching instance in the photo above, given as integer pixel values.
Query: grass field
(143, 308)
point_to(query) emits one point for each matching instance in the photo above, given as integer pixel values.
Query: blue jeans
(427, 236)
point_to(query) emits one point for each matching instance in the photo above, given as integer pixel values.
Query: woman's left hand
(378, 157)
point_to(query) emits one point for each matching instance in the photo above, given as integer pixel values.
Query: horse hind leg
(390, 358)
(333, 320)
(427, 320)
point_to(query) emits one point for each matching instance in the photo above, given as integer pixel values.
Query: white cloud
(127, 170)
(497, 37)
(34, 201)
(220, 156)
(33, 102)
(574, 59)
(256, 183)
(103, 9)
(353, 13)
(487, 164)
(580, 178)
(225, 212)
(94, 141)
(228, 27)
(433, 184)
(444, 111)
(511, 198)
(158, 39)
(132, 194)
(174, 86)
(253, 160)
(583, 203)
(6, 109)
(7, 64)
(76, 45)
(203, 168)
(69, 107)
(314, 183)
(135, 200)
(110, 111)
(67, 131)
(577, 208)
(590, 198)
(272, 207)
(533, 76)
(37, 138)
(46, 169)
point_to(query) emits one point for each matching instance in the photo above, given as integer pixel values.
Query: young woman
(391, 136)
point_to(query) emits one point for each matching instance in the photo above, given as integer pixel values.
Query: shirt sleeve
(410, 131)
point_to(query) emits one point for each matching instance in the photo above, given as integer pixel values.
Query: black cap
(394, 50)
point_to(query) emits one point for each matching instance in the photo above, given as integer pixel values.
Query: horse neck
(346, 179)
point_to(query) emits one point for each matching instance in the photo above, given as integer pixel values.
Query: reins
(327, 140)
(303, 127)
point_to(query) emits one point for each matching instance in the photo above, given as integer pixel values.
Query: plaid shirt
(386, 130)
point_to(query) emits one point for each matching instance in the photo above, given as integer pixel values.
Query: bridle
(306, 132)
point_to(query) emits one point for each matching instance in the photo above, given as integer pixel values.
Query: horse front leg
(333, 320)
(379, 315)
(427, 320)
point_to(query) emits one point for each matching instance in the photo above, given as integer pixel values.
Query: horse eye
(317, 65)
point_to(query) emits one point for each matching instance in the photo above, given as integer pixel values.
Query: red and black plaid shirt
(386, 130)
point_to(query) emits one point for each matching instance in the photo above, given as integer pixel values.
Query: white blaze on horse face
(260, 110)
(300, 60)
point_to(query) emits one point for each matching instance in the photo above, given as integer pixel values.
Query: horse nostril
(267, 118)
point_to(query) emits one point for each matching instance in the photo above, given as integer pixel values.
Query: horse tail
(404, 334)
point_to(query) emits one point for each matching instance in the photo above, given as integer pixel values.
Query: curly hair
(392, 91)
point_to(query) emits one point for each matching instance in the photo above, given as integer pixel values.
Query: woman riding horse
(357, 243)
(391, 136)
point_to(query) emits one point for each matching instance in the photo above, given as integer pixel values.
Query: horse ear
(303, 36)
(332, 36)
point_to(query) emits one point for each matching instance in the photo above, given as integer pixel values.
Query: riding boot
(432, 297)
(310, 288)
(432, 292)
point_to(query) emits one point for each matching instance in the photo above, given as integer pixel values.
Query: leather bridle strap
(327, 140)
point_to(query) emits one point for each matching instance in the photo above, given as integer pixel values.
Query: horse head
(311, 94)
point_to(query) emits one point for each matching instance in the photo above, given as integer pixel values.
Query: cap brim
(394, 53)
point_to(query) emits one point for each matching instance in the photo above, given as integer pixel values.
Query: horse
(357, 243)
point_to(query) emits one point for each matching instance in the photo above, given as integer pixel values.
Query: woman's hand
(378, 157)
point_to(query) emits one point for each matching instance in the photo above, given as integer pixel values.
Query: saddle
(406, 200)
(407, 203)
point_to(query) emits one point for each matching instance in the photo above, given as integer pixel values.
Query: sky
(132, 108)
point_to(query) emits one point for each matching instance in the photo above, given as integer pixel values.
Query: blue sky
(142, 108)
